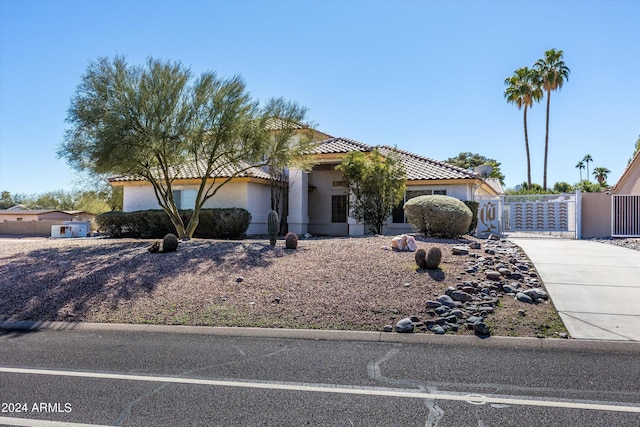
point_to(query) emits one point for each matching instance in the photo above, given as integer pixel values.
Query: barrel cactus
(420, 256)
(434, 256)
(170, 243)
(291, 240)
(272, 226)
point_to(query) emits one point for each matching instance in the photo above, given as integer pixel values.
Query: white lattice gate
(625, 215)
(530, 215)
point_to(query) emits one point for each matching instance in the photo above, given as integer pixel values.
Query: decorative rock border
(501, 269)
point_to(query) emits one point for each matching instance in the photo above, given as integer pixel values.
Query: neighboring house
(19, 220)
(318, 200)
(23, 214)
(629, 182)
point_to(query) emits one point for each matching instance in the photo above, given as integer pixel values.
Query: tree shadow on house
(68, 280)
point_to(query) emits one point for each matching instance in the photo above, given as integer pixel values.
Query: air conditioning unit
(79, 228)
(62, 231)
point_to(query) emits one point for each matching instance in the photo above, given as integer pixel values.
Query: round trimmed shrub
(438, 215)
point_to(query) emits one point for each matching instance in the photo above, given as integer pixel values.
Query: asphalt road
(167, 379)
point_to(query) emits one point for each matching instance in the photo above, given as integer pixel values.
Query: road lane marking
(363, 391)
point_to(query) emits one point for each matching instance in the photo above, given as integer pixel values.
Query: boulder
(405, 326)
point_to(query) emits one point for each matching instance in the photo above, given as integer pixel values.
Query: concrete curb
(328, 335)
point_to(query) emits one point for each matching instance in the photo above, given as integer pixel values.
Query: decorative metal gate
(548, 215)
(625, 215)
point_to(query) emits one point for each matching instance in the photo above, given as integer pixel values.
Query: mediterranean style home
(318, 201)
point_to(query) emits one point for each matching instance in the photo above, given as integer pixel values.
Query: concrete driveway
(594, 286)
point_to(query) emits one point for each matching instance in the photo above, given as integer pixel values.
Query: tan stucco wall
(27, 228)
(629, 182)
(596, 215)
(49, 216)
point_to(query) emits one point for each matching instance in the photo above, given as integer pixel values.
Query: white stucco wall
(252, 196)
(258, 203)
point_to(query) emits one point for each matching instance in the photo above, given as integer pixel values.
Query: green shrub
(226, 223)
(223, 223)
(438, 216)
(111, 223)
(473, 206)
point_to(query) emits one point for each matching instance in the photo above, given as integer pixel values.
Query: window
(339, 208)
(398, 211)
(185, 199)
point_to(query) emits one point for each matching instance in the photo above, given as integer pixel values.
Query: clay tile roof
(424, 168)
(340, 145)
(192, 171)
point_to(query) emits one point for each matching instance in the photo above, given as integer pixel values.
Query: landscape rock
(520, 296)
(461, 296)
(481, 328)
(433, 304)
(493, 275)
(387, 328)
(460, 250)
(446, 300)
(405, 326)
(475, 245)
(438, 330)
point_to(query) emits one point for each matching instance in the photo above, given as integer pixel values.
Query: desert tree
(523, 89)
(554, 73)
(153, 121)
(376, 184)
(468, 160)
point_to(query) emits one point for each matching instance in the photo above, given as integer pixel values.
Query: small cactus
(170, 243)
(272, 226)
(291, 240)
(432, 261)
(421, 255)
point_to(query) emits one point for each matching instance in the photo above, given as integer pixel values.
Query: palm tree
(586, 160)
(553, 73)
(523, 88)
(601, 174)
(580, 166)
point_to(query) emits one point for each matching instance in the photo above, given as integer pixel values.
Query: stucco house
(629, 182)
(318, 201)
(19, 220)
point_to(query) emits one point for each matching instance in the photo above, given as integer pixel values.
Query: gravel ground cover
(327, 283)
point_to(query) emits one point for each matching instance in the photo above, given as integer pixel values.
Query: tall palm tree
(586, 160)
(554, 73)
(523, 89)
(601, 174)
(580, 166)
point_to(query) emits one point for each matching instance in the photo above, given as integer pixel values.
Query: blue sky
(426, 76)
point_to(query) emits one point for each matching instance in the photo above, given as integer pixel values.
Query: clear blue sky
(426, 76)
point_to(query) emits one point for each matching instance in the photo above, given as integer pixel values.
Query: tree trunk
(526, 145)
(546, 142)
